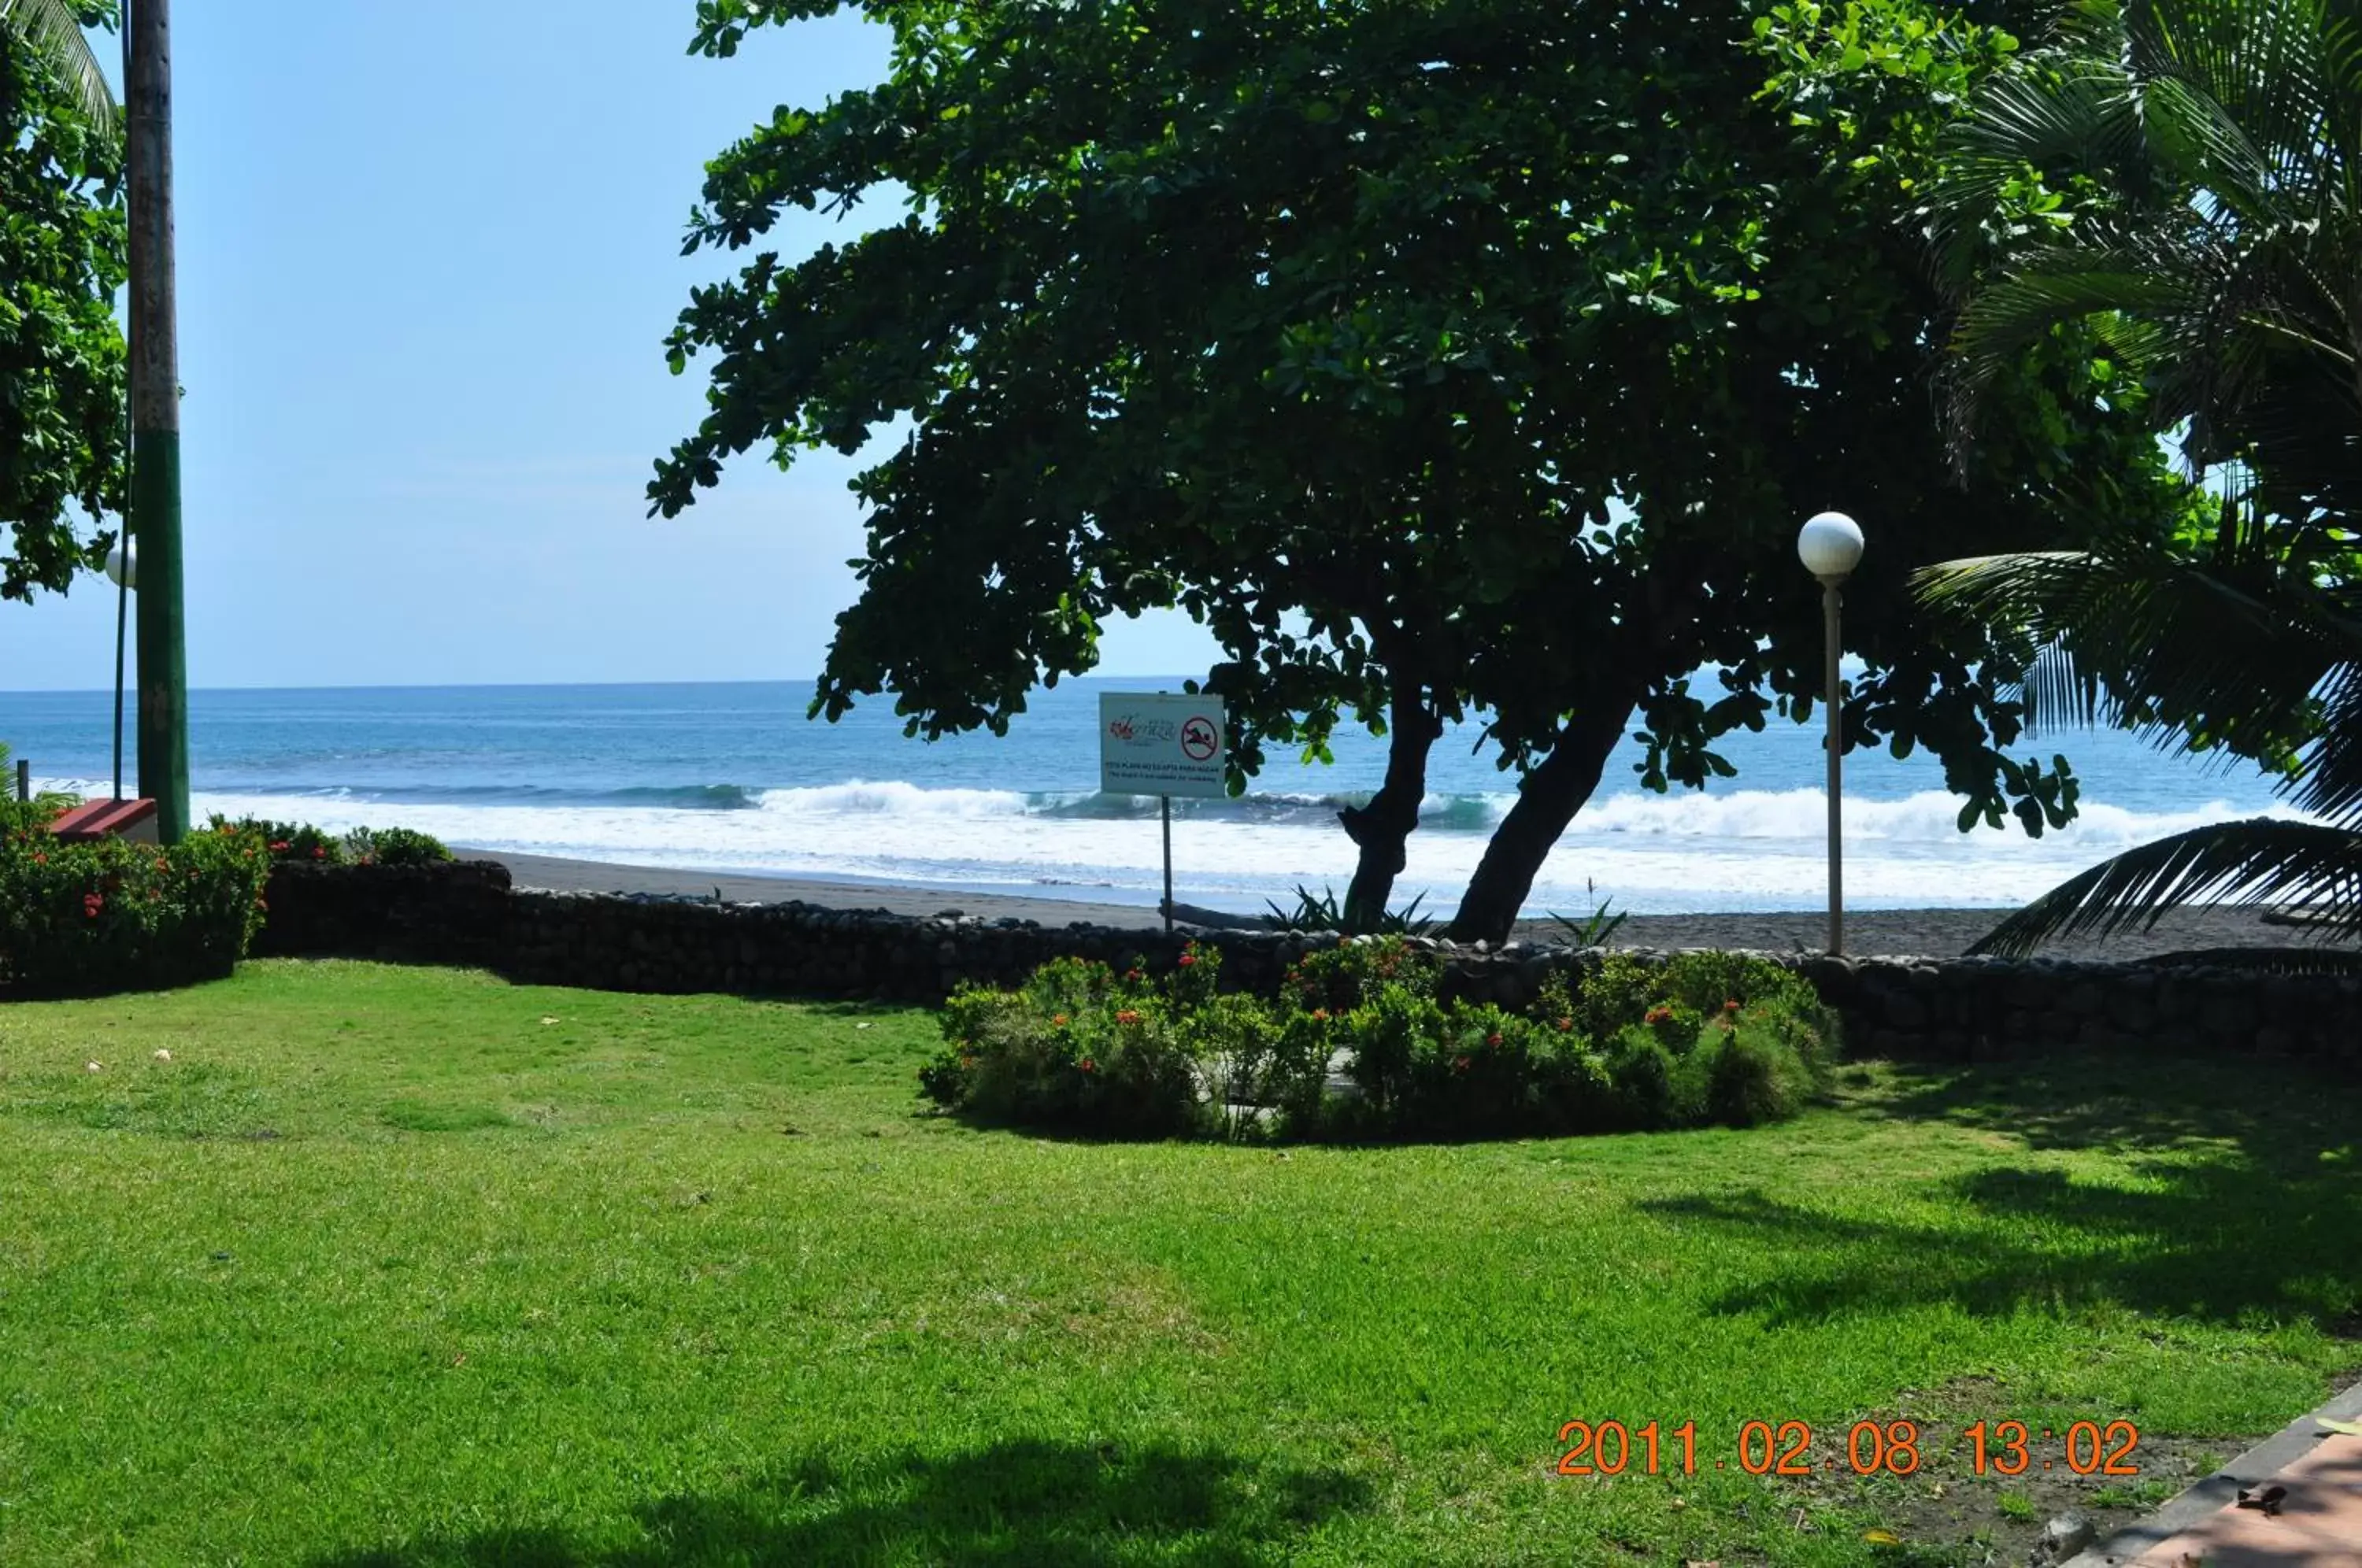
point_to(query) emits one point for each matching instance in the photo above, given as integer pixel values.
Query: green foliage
(1320, 912)
(1438, 357)
(1357, 1045)
(1597, 928)
(62, 258)
(301, 843)
(2196, 162)
(113, 915)
(395, 846)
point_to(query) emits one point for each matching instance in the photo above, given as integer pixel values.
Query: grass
(403, 1267)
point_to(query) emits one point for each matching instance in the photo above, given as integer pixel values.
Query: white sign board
(1157, 744)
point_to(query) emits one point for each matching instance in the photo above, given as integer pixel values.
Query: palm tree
(54, 31)
(2208, 150)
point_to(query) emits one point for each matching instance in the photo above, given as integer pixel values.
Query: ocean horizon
(731, 777)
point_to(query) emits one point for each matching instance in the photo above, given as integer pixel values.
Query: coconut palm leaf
(2259, 861)
(54, 31)
(2252, 648)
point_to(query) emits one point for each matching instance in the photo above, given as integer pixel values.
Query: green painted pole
(156, 418)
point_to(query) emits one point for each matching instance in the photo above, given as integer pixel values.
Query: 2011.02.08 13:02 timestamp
(1872, 1447)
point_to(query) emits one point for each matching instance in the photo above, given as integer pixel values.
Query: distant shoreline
(1929, 932)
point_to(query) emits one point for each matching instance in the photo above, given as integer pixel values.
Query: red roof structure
(105, 818)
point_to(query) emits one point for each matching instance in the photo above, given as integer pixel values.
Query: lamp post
(1830, 545)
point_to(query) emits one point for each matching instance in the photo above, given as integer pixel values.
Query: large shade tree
(2206, 154)
(62, 260)
(1443, 357)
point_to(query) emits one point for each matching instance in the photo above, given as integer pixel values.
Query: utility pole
(155, 515)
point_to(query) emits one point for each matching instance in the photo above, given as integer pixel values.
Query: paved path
(2317, 1524)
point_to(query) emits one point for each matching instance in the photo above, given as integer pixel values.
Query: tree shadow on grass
(1015, 1503)
(2230, 1213)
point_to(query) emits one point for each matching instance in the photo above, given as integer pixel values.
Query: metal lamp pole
(1830, 545)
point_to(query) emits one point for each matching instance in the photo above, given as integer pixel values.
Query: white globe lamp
(122, 567)
(1830, 545)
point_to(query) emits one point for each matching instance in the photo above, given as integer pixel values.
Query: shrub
(395, 846)
(1754, 1080)
(1076, 1047)
(1626, 1046)
(111, 915)
(300, 844)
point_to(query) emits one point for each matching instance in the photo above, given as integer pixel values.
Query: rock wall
(1962, 1009)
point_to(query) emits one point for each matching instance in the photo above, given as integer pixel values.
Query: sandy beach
(1938, 932)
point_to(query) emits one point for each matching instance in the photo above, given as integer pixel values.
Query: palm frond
(2233, 648)
(2258, 861)
(55, 32)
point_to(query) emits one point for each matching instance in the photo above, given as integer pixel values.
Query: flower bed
(1357, 1046)
(112, 915)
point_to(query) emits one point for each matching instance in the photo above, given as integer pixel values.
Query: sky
(428, 256)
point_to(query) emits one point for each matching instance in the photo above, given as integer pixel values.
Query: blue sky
(428, 256)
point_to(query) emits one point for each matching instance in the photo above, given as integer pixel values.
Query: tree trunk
(154, 521)
(1547, 801)
(1381, 828)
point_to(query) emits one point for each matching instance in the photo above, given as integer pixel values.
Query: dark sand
(1922, 932)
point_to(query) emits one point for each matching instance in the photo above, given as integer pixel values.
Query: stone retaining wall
(1946, 1008)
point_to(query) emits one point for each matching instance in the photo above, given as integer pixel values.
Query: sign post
(1162, 745)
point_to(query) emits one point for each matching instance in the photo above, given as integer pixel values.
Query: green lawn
(402, 1266)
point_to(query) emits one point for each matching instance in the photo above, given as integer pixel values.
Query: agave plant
(53, 29)
(2213, 244)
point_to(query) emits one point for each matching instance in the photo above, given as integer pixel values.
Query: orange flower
(1319, 1015)
(1127, 1016)
(1059, 1019)
(1564, 1025)
(1087, 1064)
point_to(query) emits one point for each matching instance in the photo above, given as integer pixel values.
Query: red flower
(1564, 1025)
(1659, 1015)
(1131, 975)
(1492, 1039)
(1730, 1006)
(1087, 1064)
(1127, 1016)
(39, 858)
(1059, 1019)
(277, 844)
(91, 903)
(1319, 1015)
(1187, 959)
(319, 852)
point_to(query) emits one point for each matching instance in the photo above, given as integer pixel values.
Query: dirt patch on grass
(1944, 1513)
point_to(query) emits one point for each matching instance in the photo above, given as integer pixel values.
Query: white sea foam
(1743, 849)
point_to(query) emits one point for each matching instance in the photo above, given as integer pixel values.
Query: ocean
(733, 777)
